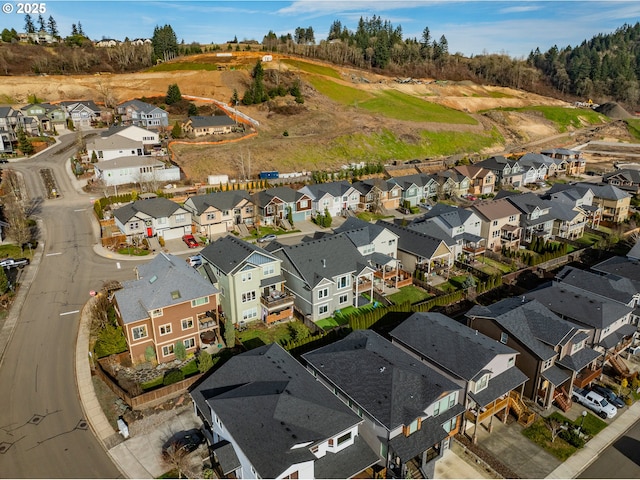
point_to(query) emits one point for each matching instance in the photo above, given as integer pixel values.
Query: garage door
(173, 233)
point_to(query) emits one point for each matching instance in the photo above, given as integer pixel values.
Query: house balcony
(362, 286)
(586, 376)
(487, 411)
(274, 317)
(473, 249)
(277, 300)
(394, 277)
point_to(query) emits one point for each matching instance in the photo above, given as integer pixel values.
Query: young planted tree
(24, 144)
(173, 94)
(176, 132)
(180, 351)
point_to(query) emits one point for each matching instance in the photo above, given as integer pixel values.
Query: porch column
(493, 407)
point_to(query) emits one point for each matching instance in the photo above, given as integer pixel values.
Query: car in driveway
(267, 238)
(190, 240)
(195, 260)
(14, 262)
(609, 394)
(187, 441)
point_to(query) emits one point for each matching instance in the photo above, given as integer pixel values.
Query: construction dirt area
(291, 137)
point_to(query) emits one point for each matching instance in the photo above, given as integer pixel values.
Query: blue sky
(471, 27)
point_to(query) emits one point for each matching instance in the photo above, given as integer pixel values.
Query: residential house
(200, 126)
(252, 286)
(545, 165)
(576, 198)
(419, 251)
(274, 205)
(149, 139)
(536, 219)
(107, 42)
(627, 267)
(507, 171)
(482, 181)
(137, 170)
(378, 195)
(267, 417)
(484, 368)
(11, 121)
(613, 201)
(167, 303)
(417, 189)
(325, 275)
(83, 114)
(452, 184)
(553, 352)
(379, 247)
(123, 142)
(410, 410)
(576, 165)
(627, 180)
(461, 225)
(46, 115)
(220, 212)
(337, 198)
(568, 222)
(500, 223)
(142, 114)
(153, 217)
(609, 321)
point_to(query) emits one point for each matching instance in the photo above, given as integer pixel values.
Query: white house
(127, 170)
(336, 197)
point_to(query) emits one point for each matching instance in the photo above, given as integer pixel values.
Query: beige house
(500, 223)
(200, 126)
(220, 212)
(481, 180)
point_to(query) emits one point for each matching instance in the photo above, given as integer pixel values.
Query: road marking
(118, 265)
(52, 254)
(69, 313)
(80, 210)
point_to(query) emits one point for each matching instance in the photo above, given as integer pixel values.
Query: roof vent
(324, 263)
(382, 369)
(153, 279)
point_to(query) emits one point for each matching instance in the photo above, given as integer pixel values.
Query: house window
(199, 301)
(167, 350)
(250, 314)
(161, 220)
(343, 282)
(248, 296)
(482, 383)
(218, 421)
(450, 425)
(494, 223)
(180, 218)
(189, 342)
(343, 299)
(413, 427)
(139, 332)
(247, 276)
(512, 218)
(225, 213)
(269, 209)
(134, 226)
(392, 241)
(249, 210)
(323, 293)
(211, 216)
(268, 270)
(156, 313)
(322, 309)
(344, 438)
(165, 329)
(547, 364)
(511, 362)
(504, 338)
(304, 203)
(187, 323)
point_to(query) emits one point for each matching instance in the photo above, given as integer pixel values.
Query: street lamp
(584, 414)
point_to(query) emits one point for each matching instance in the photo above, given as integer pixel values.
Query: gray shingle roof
(630, 175)
(606, 191)
(579, 360)
(499, 385)
(347, 462)
(413, 242)
(556, 375)
(531, 323)
(388, 383)
(449, 344)
(228, 253)
(220, 200)
(613, 287)
(335, 189)
(623, 266)
(164, 281)
(157, 207)
(198, 121)
(326, 257)
(579, 306)
(270, 403)
(286, 194)
(139, 106)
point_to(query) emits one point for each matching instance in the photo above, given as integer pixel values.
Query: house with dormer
(142, 114)
(507, 171)
(452, 183)
(168, 302)
(378, 195)
(46, 115)
(575, 164)
(83, 114)
(417, 188)
(325, 275)
(625, 179)
(337, 198)
(153, 217)
(554, 353)
(220, 212)
(268, 417)
(410, 410)
(613, 202)
(484, 368)
(251, 281)
(500, 223)
(568, 222)
(274, 204)
(536, 219)
(481, 180)
(575, 198)
(547, 166)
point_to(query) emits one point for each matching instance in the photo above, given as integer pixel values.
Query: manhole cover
(36, 419)
(4, 447)
(82, 424)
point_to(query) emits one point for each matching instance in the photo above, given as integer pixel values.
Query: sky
(476, 27)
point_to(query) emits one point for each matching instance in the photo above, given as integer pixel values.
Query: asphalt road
(620, 460)
(43, 431)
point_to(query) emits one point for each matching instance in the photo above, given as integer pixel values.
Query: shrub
(180, 351)
(572, 438)
(161, 241)
(172, 376)
(205, 361)
(149, 354)
(110, 341)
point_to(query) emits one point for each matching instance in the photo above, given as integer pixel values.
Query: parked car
(267, 238)
(14, 262)
(595, 402)
(633, 349)
(195, 260)
(190, 241)
(188, 440)
(607, 393)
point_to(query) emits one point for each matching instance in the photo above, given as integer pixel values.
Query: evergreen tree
(173, 94)
(74, 30)
(41, 24)
(193, 110)
(80, 31)
(180, 351)
(176, 131)
(52, 27)
(24, 144)
(164, 42)
(28, 24)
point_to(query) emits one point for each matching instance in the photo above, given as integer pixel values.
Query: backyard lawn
(411, 294)
(258, 334)
(493, 266)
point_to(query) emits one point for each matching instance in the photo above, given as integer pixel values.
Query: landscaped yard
(258, 334)
(371, 217)
(539, 434)
(492, 267)
(411, 294)
(588, 239)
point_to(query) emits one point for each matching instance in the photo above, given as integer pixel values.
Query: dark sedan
(609, 394)
(187, 441)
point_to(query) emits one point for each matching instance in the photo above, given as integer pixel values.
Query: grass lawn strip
(411, 294)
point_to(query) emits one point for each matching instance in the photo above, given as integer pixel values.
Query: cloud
(520, 9)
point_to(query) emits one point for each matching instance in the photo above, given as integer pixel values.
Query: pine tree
(24, 144)
(41, 24)
(176, 131)
(173, 94)
(52, 27)
(28, 24)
